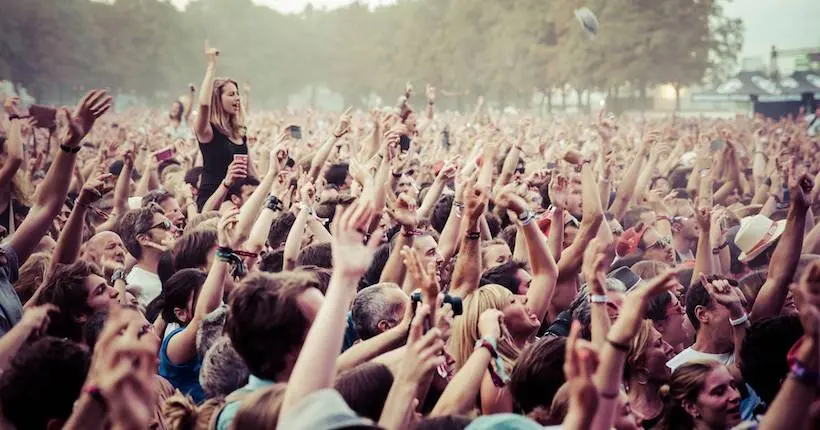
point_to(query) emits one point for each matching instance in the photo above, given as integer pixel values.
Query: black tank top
(217, 155)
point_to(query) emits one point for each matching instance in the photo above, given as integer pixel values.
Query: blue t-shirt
(183, 376)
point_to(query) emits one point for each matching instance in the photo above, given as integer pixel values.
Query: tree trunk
(677, 98)
(549, 100)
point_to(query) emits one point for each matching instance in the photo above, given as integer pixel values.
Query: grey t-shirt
(11, 309)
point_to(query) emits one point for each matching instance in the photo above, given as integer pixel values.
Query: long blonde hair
(232, 126)
(465, 328)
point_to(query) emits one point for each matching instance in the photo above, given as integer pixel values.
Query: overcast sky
(787, 24)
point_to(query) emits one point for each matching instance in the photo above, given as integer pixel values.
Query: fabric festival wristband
(496, 367)
(803, 375)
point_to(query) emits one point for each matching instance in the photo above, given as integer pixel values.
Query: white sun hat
(756, 234)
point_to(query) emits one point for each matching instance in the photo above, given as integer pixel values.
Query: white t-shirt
(150, 283)
(690, 354)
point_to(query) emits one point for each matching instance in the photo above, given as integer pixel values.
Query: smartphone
(404, 143)
(717, 145)
(295, 131)
(165, 154)
(44, 116)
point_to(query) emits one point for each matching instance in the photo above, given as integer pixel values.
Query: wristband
(596, 298)
(496, 366)
(70, 149)
(473, 235)
(95, 394)
(273, 203)
(768, 182)
(526, 217)
(246, 254)
(742, 320)
(716, 250)
(618, 346)
(225, 185)
(412, 233)
(802, 374)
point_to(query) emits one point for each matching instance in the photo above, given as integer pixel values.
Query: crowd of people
(218, 267)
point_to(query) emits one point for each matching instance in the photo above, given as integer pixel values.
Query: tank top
(184, 376)
(217, 155)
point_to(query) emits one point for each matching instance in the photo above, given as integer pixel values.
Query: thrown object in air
(588, 20)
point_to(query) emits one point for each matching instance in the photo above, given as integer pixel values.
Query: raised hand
(807, 293)
(344, 123)
(489, 323)
(424, 350)
(95, 188)
(634, 306)
(279, 155)
(725, 294)
(90, 108)
(559, 191)
(424, 278)
(475, 200)
(580, 362)
(595, 265)
(508, 199)
(36, 319)
(402, 209)
(225, 229)
(351, 256)
(703, 215)
(12, 105)
(211, 53)
(800, 186)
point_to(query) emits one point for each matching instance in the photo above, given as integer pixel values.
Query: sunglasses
(164, 224)
(661, 243)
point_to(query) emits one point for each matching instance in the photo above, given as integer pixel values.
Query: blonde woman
(518, 328)
(219, 128)
(645, 373)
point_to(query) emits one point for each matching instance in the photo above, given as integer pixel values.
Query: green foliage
(503, 49)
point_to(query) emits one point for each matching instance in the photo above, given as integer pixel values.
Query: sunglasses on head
(660, 243)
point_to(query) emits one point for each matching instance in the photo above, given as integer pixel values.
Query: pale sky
(787, 24)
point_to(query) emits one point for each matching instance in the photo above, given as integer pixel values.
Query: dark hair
(193, 175)
(279, 229)
(538, 373)
(441, 212)
(364, 388)
(66, 290)
(317, 254)
(374, 272)
(273, 261)
(320, 274)
(656, 310)
(181, 110)
(136, 222)
(679, 177)
(175, 294)
(505, 275)
(42, 382)
(156, 196)
(370, 306)
(236, 188)
(508, 234)
(658, 178)
(697, 295)
(191, 249)
(265, 323)
(327, 208)
(763, 355)
(493, 223)
(336, 174)
(632, 217)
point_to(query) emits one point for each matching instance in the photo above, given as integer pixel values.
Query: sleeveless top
(217, 155)
(183, 376)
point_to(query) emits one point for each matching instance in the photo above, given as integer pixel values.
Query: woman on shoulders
(219, 127)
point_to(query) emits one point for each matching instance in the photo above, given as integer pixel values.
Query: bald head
(105, 249)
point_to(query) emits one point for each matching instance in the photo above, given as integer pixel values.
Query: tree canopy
(503, 50)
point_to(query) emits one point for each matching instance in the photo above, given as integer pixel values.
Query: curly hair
(66, 290)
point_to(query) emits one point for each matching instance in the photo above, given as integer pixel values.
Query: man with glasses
(147, 234)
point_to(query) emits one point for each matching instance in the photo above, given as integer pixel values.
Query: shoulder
(226, 415)
(9, 262)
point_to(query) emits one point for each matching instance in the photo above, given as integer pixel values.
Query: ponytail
(181, 413)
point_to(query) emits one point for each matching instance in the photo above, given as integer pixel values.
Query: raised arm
(446, 174)
(182, 347)
(122, 190)
(249, 211)
(626, 188)
(319, 160)
(188, 106)
(237, 170)
(315, 367)
(467, 272)
(704, 263)
(772, 295)
(202, 127)
(71, 237)
(50, 195)
(544, 269)
(791, 407)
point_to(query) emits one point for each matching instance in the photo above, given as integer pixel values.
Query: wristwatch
(119, 274)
